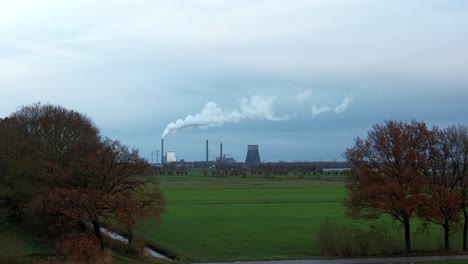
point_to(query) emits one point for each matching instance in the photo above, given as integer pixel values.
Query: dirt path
(407, 260)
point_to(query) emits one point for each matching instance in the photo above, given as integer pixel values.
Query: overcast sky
(300, 78)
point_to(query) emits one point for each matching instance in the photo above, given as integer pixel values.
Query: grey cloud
(303, 96)
(135, 62)
(298, 38)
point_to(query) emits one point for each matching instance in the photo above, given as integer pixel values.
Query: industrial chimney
(162, 151)
(221, 152)
(253, 157)
(207, 152)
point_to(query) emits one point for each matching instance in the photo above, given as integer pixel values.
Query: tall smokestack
(207, 152)
(162, 151)
(220, 151)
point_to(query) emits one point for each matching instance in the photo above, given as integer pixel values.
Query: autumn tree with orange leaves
(449, 178)
(446, 166)
(82, 178)
(111, 187)
(456, 140)
(387, 176)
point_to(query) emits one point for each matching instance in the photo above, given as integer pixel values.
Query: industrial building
(171, 156)
(226, 158)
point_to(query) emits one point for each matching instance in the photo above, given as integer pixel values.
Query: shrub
(348, 240)
(338, 239)
(386, 239)
(83, 248)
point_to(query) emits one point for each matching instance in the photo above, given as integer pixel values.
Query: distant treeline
(294, 165)
(267, 170)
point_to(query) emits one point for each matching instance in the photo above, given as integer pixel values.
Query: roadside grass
(236, 219)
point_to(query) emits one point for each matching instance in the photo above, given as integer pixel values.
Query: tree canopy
(386, 175)
(407, 170)
(55, 162)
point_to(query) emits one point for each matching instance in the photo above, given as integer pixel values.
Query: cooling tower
(253, 157)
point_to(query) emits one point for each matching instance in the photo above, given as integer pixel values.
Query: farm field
(231, 219)
(212, 218)
(237, 219)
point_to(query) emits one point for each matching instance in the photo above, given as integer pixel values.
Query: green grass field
(211, 218)
(237, 219)
(229, 219)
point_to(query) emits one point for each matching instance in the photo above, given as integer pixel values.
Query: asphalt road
(400, 260)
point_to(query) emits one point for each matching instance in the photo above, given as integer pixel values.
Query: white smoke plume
(257, 107)
(337, 109)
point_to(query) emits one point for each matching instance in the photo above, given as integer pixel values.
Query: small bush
(347, 240)
(338, 239)
(83, 248)
(386, 240)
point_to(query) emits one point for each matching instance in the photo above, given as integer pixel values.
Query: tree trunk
(130, 236)
(446, 236)
(465, 229)
(97, 233)
(407, 235)
(82, 226)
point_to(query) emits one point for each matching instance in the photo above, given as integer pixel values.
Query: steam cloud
(257, 107)
(337, 109)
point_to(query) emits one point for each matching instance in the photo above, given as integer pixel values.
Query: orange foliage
(83, 177)
(387, 177)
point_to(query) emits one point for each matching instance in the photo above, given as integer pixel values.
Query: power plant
(224, 160)
(168, 156)
(253, 156)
